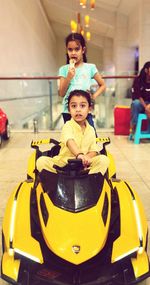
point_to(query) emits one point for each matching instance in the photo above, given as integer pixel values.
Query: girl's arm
(101, 84)
(63, 86)
(65, 81)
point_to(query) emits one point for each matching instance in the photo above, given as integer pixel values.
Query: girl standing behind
(77, 73)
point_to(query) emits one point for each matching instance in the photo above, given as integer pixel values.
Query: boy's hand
(85, 160)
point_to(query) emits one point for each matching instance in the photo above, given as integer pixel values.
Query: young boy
(77, 138)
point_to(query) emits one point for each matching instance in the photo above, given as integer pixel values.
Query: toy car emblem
(76, 249)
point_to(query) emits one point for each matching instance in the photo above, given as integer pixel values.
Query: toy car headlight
(27, 255)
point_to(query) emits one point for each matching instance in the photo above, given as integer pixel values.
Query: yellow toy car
(74, 228)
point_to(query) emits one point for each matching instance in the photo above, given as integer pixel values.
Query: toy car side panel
(140, 264)
(10, 267)
(142, 218)
(130, 237)
(6, 226)
(31, 165)
(23, 242)
(17, 231)
(112, 166)
(66, 230)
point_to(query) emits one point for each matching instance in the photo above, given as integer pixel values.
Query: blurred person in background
(140, 97)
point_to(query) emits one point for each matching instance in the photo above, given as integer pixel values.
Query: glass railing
(32, 103)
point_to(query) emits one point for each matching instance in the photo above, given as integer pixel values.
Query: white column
(123, 57)
(109, 69)
(108, 56)
(144, 32)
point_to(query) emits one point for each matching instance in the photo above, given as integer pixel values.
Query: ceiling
(102, 20)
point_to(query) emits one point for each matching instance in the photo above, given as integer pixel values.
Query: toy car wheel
(6, 135)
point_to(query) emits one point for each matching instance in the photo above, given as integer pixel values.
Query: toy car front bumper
(118, 274)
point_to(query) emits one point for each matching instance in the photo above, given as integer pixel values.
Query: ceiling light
(83, 3)
(73, 25)
(92, 4)
(88, 36)
(86, 20)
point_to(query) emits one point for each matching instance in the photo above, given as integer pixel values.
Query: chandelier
(82, 26)
(83, 3)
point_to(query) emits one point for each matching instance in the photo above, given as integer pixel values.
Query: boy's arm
(91, 154)
(86, 158)
(71, 144)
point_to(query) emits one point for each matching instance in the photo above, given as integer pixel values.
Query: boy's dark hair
(79, 38)
(83, 93)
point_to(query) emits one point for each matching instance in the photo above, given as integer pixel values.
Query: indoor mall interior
(32, 48)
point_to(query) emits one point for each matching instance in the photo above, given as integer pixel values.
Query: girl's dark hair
(77, 38)
(82, 93)
(142, 74)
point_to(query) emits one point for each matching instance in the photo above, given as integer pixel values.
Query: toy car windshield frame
(73, 194)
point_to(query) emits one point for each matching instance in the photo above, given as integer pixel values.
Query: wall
(27, 47)
(28, 44)
(133, 28)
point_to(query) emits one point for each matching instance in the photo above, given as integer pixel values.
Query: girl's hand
(85, 160)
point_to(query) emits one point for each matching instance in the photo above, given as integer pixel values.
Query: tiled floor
(132, 162)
